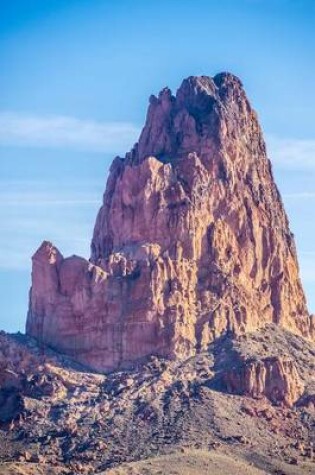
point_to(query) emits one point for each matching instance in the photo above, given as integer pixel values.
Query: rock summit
(191, 243)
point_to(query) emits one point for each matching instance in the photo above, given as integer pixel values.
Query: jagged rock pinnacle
(191, 242)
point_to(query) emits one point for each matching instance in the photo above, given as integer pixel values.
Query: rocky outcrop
(11, 383)
(86, 422)
(11, 402)
(191, 242)
(275, 378)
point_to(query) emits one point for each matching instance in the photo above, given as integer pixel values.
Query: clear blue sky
(75, 80)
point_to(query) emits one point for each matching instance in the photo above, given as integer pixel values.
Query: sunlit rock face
(191, 242)
(275, 378)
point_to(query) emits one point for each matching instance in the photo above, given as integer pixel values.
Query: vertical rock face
(191, 242)
(274, 378)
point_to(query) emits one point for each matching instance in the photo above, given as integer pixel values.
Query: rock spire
(191, 242)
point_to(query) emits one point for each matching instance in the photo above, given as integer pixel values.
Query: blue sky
(75, 80)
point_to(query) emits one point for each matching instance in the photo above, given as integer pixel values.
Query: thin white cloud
(42, 200)
(21, 236)
(307, 253)
(292, 154)
(66, 132)
(300, 195)
(37, 194)
(31, 212)
(52, 203)
(22, 130)
(307, 267)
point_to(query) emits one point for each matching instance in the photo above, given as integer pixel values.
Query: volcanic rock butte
(192, 242)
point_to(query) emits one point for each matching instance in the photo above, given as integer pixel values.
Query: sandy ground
(188, 463)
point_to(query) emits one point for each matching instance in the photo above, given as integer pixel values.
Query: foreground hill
(177, 414)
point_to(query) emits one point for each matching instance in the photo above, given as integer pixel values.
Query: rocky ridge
(72, 421)
(192, 241)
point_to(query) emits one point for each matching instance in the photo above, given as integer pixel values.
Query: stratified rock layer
(191, 242)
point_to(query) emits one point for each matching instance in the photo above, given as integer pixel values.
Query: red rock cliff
(191, 241)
